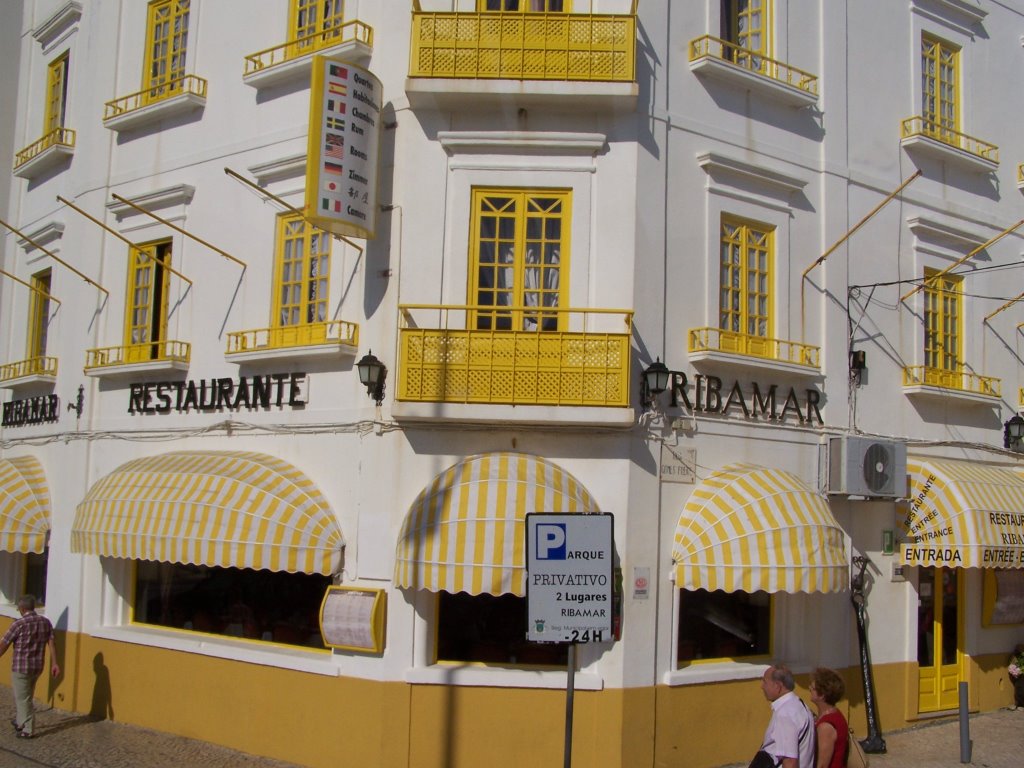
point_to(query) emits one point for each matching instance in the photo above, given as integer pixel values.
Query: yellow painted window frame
(752, 658)
(304, 17)
(524, 6)
(166, 24)
(39, 314)
(56, 93)
(295, 229)
(147, 267)
(940, 82)
(742, 241)
(523, 199)
(943, 321)
(758, 15)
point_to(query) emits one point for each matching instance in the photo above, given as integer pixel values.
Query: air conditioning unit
(865, 466)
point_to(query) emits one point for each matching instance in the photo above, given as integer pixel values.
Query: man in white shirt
(789, 738)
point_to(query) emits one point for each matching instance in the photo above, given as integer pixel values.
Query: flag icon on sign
(337, 71)
(336, 106)
(336, 88)
(332, 168)
(336, 123)
(334, 146)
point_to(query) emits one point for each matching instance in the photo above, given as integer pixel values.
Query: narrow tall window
(56, 94)
(303, 272)
(519, 244)
(943, 299)
(531, 6)
(146, 323)
(745, 24)
(745, 300)
(723, 625)
(312, 16)
(940, 84)
(39, 315)
(166, 43)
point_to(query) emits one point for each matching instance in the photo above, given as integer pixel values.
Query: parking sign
(569, 578)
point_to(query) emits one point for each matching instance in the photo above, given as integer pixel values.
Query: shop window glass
(35, 575)
(723, 625)
(519, 249)
(234, 602)
(490, 629)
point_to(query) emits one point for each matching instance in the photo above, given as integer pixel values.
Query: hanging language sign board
(569, 578)
(341, 162)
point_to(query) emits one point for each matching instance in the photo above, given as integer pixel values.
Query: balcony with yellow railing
(156, 102)
(957, 383)
(583, 360)
(157, 356)
(306, 341)
(720, 346)
(719, 59)
(1020, 176)
(943, 143)
(44, 153)
(34, 370)
(352, 41)
(578, 58)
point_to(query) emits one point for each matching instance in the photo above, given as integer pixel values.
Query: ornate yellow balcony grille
(350, 31)
(181, 85)
(441, 363)
(151, 352)
(63, 137)
(960, 380)
(753, 61)
(331, 333)
(918, 126)
(524, 46)
(33, 366)
(719, 340)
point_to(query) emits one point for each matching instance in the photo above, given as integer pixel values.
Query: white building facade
(782, 206)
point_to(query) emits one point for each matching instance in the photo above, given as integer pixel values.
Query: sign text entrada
(709, 396)
(271, 390)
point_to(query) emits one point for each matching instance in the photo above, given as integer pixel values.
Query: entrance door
(938, 639)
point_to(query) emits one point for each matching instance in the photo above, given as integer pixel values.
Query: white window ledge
(713, 358)
(181, 104)
(776, 90)
(928, 392)
(49, 158)
(926, 146)
(485, 413)
(130, 370)
(337, 350)
(299, 68)
(251, 652)
(466, 93)
(714, 672)
(29, 382)
(490, 677)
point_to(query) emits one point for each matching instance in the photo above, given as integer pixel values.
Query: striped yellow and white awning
(218, 508)
(24, 505)
(962, 514)
(749, 528)
(466, 531)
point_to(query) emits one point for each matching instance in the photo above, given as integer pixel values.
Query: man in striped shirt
(30, 635)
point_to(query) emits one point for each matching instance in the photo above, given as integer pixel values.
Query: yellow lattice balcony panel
(933, 138)
(34, 369)
(443, 360)
(722, 60)
(308, 340)
(176, 96)
(43, 153)
(524, 46)
(352, 41)
(918, 378)
(154, 354)
(709, 342)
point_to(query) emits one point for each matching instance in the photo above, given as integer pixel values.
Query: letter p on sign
(551, 541)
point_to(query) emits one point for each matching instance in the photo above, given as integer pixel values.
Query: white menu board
(352, 618)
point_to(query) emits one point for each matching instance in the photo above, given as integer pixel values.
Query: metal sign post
(569, 588)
